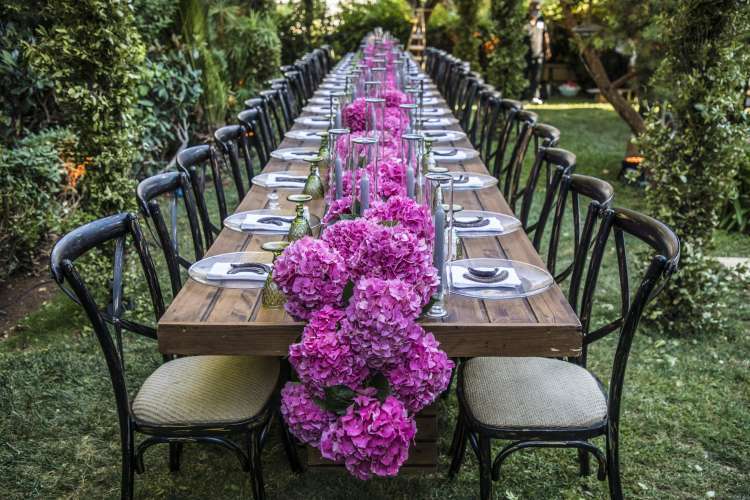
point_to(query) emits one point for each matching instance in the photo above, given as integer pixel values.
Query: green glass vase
(314, 184)
(300, 226)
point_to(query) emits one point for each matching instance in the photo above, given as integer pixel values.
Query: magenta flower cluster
(371, 438)
(361, 288)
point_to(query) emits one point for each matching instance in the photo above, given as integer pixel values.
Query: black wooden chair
(175, 186)
(258, 103)
(509, 174)
(203, 399)
(200, 162)
(545, 137)
(553, 403)
(483, 117)
(251, 123)
(234, 146)
(506, 122)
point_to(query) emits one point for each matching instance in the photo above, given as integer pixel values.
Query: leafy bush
(93, 55)
(31, 183)
(291, 25)
(507, 49)
(356, 20)
(737, 211)
(693, 161)
(442, 28)
(467, 45)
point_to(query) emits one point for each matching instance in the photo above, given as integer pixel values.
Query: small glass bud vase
(314, 184)
(458, 247)
(271, 296)
(300, 226)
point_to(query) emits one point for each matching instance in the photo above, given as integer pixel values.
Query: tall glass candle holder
(443, 247)
(409, 113)
(363, 182)
(338, 147)
(411, 153)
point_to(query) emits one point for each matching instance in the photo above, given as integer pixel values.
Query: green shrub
(31, 183)
(356, 20)
(467, 44)
(291, 25)
(93, 55)
(442, 28)
(507, 58)
(693, 160)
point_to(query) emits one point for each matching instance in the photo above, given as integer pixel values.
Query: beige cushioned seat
(531, 393)
(206, 389)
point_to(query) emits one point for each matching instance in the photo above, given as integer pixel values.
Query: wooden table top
(207, 320)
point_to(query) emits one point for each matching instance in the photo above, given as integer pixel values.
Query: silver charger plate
(441, 122)
(432, 111)
(289, 154)
(473, 181)
(320, 109)
(314, 121)
(200, 269)
(262, 180)
(310, 134)
(234, 221)
(508, 222)
(444, 135)
(534, 280)
(447, 154)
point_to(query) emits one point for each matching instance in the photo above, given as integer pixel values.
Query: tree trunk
(596, 69)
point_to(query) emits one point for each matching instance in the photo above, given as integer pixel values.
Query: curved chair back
(545, 137)
(665, 255)
(193, 161)
(507, 109)
(525, 121)
(557, 163)
(258, 103)
(251, 124)
(232, 143)
(116, 229)
(175, 185)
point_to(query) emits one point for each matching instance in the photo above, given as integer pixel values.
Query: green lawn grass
(685, 428)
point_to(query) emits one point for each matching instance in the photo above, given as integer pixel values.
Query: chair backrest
(525, 121)
(194, 162)
(573, 188)
(251, 124)
(506, 123)
(273, 103)
(556, 163)
(269, 141)
(482, 116)
(295, 88)
(545, 137)
(176, 186)
(664, 248)
(232, 143)
(468, 100)
(113, 229)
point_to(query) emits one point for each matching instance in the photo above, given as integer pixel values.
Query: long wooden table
(208, 320)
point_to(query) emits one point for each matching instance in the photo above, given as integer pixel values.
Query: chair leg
(485, 468)
(256, 468)
(290, 447)
(458, 447)
(584, 463)
(175, 451)
(128, 462)
(613, 466)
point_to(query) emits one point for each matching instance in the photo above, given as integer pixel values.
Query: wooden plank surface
(209, 320)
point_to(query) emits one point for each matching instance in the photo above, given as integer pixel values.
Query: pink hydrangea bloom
(412, 215)
(370, 438)
(346, 237)
(393, 98)
(304, 418)
(338, 207)
(354, 115)
(421, 374)
(396, 253)
(311, 274)
(324, 357)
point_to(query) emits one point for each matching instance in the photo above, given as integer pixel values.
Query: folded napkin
(473, 182)
(457, 277)
(494, 226)
(251, 222)
(272, 182)
(219, 270)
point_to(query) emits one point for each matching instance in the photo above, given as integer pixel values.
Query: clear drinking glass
(443, 247)
(411, 153)
(338, 140)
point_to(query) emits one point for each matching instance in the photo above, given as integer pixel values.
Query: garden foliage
(356, 20)
(507, 55)
(693, 158)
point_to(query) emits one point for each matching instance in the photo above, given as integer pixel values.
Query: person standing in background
(539, 50)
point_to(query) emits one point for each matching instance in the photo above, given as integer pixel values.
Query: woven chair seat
(206, 390)
(532, 393)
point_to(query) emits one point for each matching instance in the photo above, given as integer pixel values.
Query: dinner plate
(308, 134)
(439, 122)
(470, 181)
(207, 271)
(322, 109)
(444, 135)
(280, 180)
(336, 87)
(239, 222)
(523, 279)
(290, 154)
(433, 111)
(317, 121)
(483, 224)
(448, 154)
